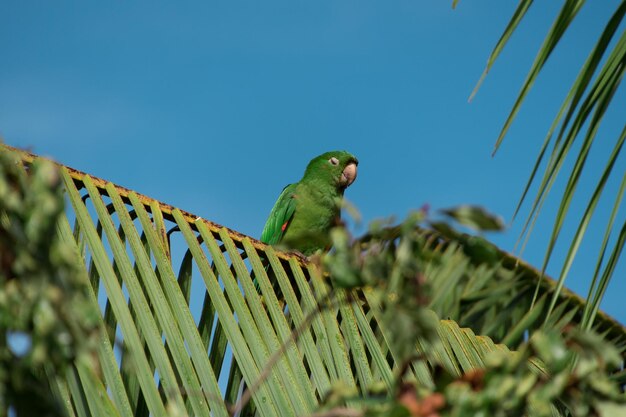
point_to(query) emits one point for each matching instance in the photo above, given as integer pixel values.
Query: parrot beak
(348, 175)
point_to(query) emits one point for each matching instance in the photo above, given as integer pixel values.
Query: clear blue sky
(214, 107)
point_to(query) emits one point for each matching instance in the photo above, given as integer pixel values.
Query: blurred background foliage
(46, 318)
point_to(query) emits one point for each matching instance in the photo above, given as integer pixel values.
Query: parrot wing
(280, 216)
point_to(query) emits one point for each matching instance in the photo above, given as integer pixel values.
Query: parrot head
(337, 168)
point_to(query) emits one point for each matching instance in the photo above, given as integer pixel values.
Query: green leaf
(475, 217)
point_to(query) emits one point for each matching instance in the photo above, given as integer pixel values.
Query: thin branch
(339, 412)
(267, 369)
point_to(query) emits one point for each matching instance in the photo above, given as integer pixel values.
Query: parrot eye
(334, 161)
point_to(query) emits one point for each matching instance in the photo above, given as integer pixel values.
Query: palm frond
(182, 343)
(495, 298)
(579, 117)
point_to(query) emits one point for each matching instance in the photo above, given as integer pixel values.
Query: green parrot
(305, 211)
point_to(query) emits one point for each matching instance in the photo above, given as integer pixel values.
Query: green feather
(280, 215)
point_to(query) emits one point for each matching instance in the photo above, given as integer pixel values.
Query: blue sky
(214, 107)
